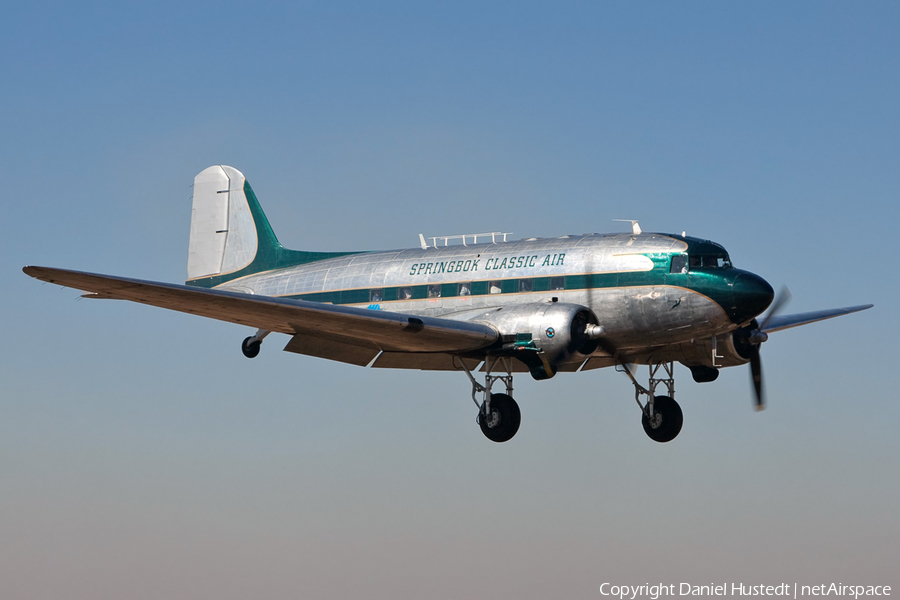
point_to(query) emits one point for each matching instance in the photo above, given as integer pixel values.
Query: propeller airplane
(482, 305)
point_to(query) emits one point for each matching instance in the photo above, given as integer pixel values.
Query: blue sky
(142, 456)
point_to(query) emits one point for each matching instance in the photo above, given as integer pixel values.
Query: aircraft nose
(752, 295)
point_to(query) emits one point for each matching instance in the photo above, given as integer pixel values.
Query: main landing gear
(661, 415)
(498, 414)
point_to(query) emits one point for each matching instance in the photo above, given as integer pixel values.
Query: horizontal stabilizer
(368, 328)
(779, 322)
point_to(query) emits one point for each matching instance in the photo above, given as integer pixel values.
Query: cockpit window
(710, 261)
(679, 264)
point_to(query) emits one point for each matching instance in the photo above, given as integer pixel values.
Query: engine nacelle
(545, 334)
(731, 349)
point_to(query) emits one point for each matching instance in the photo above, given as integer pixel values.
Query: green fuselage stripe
(457, 289)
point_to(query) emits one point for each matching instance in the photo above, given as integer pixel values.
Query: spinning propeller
(749, 339)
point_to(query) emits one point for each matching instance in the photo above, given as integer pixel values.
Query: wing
(355, 335)
(777, 323)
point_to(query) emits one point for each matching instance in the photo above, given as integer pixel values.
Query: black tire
(250, 350)
(505, 418)
(668, 424)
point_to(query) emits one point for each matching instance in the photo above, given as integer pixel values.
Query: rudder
(223, 231)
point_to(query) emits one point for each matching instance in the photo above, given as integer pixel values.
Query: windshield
(709, 261)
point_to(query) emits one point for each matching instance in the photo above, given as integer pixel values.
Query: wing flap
(383, 329)
(423, 361)
(599, 362)
(354, 352)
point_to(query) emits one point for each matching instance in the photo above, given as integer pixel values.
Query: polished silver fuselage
(646, 311)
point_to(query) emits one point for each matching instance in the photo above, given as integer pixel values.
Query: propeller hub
(758, 337)
(594, 332)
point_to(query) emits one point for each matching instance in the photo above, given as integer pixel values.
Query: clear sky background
(142, 456)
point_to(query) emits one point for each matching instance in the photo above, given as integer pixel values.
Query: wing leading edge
(780, 322)
(354, 335)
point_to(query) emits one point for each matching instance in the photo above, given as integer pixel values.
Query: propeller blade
(784, 295)
(756, 339)
(756, 374)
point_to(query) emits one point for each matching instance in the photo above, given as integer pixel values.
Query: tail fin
(230, 235)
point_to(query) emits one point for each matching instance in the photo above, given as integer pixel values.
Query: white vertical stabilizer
(223, 233)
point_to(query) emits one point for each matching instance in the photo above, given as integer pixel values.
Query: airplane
(482, 305)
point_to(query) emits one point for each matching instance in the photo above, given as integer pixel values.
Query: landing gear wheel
(250, 348)
(666, 422)
(503, 422)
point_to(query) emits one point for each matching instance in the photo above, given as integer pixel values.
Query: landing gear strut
(498, 414)
(661, 416)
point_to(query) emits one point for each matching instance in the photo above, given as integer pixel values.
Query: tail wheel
(666, 422)
(503, 421)
(250, 347)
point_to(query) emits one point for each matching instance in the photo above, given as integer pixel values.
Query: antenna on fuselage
(462, 238)
(635, 226)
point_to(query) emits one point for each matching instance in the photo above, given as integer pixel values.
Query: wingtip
(37, 272)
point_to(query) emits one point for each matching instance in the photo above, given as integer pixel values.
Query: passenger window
(376, 295)
(434, 291)
(679, 264)
(464, 289)
(405, 293)
(557, 283)
(524, 285)
(495, 287)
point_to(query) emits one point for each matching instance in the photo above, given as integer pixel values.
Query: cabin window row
(467, 288)
(441, 290)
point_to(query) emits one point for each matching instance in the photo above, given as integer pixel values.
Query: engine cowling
(545, 334)
(731, 349)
